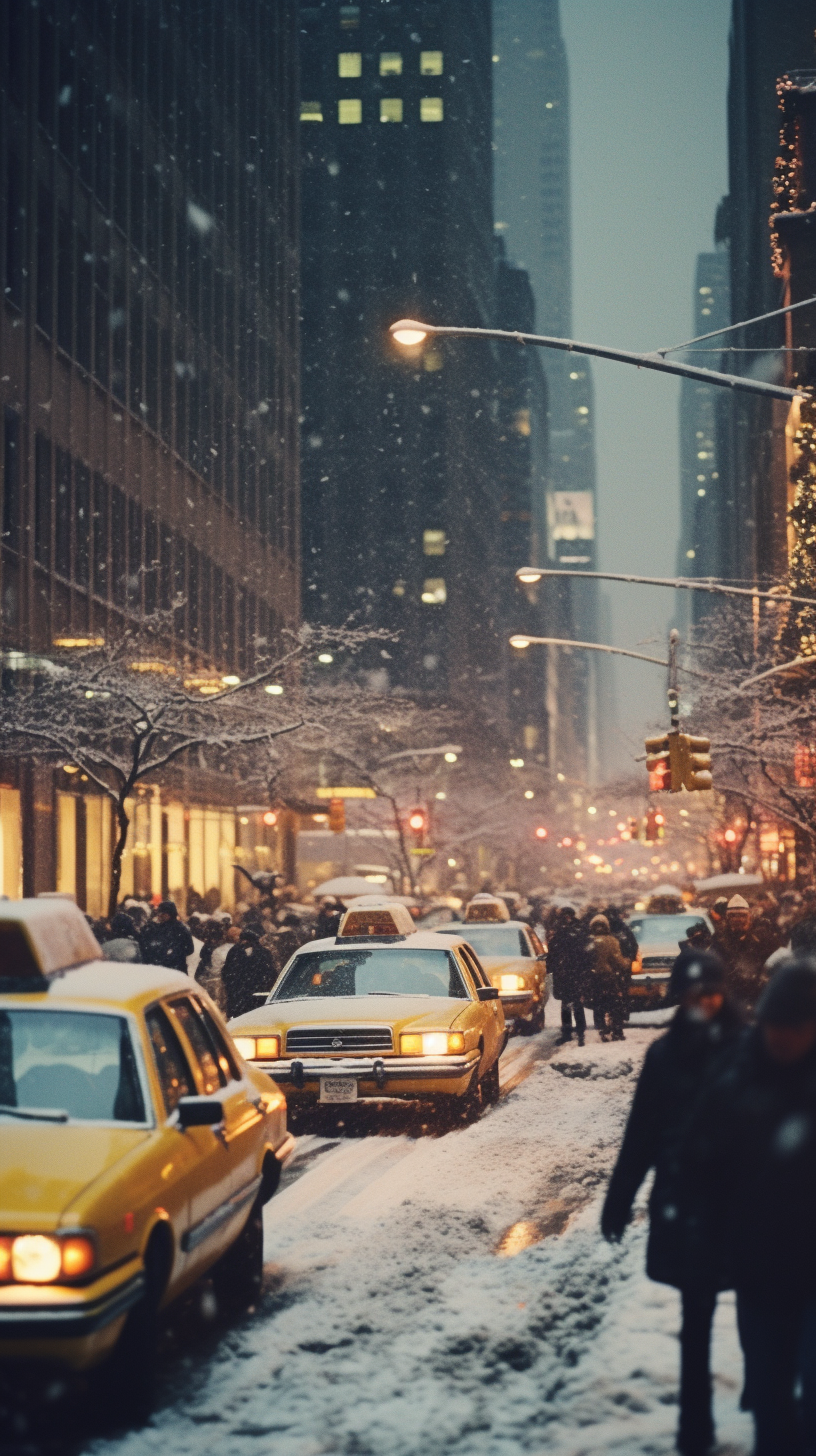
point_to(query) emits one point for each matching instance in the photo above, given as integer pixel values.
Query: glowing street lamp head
(519, 642)
(529, 575)
(409, 333)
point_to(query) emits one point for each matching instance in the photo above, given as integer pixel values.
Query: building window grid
(82, 552)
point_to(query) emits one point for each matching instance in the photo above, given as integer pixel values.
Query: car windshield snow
(79, 1062)
(374, 972)
(491, 940)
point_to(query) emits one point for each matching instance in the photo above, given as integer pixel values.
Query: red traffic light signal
(337, 815)
(416, 821)
(658, 764)
(270, 817)
(541, 832)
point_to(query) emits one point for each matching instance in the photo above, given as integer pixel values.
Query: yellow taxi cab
(136, 1150)
(513, 957)
(380, 1011)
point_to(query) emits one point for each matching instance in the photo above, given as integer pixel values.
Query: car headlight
(511, 983)
(432, 1043)
(258, 1048)
(40, 1259)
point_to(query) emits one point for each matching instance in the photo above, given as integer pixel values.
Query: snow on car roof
(418, 940)
(42, 937)
(116, 982)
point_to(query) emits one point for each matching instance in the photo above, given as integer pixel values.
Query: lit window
(582, 410)
(350, 112)
(521, 422)
(391, 108)
(350, 63)
(390, 63)
(311, 110)
(399, 588)
(433, 591)
(432, 360)
(430, 63)
(431, 108)
(433, 543)
(349, 17)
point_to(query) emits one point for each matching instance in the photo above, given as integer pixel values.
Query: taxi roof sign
(378, 918)
(40, 938)
(486, 908)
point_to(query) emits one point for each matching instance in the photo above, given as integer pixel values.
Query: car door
(237, 1162)
(493, 1022)
(184, 1158)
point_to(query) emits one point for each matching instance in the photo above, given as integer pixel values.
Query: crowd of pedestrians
(235, 959)
(724, 1114)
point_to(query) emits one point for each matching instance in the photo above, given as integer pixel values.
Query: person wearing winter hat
(743, 951)
(165, 940)
(750, 1153)
(676, 1067)
(608, 979)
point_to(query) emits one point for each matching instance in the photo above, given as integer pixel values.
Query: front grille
(337, 1040)
(656, 963)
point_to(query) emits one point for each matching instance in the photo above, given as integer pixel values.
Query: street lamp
(410, 333)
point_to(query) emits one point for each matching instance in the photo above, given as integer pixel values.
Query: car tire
(470, 1103)
(538, 1020)
(238, 1276)
(490, 1085)
(127, 1379)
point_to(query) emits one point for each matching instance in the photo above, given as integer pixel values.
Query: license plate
(338, 1089)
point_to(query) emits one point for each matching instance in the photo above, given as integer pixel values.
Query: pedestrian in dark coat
(750, 1154)
(676, 1068)
(743, 950)
(608, 979)
(249, 967)
(165, 940)
(122, 941)
(568, 962)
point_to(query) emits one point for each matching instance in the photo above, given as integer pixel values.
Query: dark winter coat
(569, 962)
(166, 944)
(676, 1069)
(247, 969)
(609, 971)
(749, 1158)
(743, 957)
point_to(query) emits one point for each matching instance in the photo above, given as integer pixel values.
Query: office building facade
(148, 365)
(702, 526)
(400, 508)
(533, 215)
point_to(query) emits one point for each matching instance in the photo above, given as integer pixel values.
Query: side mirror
(487, 993)
(199, 1112)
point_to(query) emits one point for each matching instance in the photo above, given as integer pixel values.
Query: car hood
(666, 949)
(400, 1012)
(45, 1166)
(495, 964)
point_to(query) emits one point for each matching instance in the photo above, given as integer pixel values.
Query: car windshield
(374, 972)
(79, 1062)
(494, 940)
(663, 927)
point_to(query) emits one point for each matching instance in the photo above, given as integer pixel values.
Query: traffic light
(658, 763)
(541, 832)
(678, 761)
(634, 827)
(650, 829)
(695, 756)
(418, 823)
(337, 815)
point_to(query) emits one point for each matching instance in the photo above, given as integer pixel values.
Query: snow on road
(452, 1294)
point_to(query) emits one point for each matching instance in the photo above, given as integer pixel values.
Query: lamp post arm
(678, 583)
(599, 351)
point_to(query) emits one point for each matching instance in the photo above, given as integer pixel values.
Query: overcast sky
(649, 164)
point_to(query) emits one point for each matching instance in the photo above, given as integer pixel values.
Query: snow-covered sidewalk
(453, 1294)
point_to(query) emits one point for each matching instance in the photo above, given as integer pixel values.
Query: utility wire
(715, 333)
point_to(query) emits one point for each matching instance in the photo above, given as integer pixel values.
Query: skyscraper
(699, 549)
(532, 171)
(148, 364)
(400, 510)
(766, 41)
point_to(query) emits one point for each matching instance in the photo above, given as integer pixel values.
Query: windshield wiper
(36, 1114)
